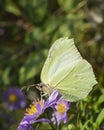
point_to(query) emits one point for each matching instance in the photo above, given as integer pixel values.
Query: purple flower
(60, 111)
(35, 110)
(14, 98)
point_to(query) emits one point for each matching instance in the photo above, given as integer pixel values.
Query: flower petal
(25, 126)
(52, 99)
(43, 120)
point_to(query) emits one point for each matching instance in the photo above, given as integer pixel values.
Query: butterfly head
(45, 89)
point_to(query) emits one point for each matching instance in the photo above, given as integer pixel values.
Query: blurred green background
(27, 30)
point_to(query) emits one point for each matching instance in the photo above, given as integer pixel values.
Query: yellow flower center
(61, 108)
(12, 98)
(33, 108)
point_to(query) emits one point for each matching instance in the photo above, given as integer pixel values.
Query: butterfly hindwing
(78, 83)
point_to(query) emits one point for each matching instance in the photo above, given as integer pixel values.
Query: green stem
(51, 124)
(57, 127)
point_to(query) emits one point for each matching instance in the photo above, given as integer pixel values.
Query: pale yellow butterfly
(66, 71)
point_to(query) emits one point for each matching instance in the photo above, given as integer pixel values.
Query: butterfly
(66, 71)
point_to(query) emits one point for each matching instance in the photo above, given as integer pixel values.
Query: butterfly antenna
(28, 87)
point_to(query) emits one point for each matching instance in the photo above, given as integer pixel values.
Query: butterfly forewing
(62, 57)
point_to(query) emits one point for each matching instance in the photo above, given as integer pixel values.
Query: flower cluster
(38, 107)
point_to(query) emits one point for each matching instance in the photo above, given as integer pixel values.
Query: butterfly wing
(61, 59)
(78, 83)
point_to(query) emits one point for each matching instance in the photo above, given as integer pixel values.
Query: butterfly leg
(43, 95)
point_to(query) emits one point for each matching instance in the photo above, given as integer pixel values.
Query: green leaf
(10, 7)
(71, 127)
(66, 5)
(99, 119)
(6, 77)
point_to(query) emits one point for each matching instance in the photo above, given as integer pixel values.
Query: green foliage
(27, 30)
